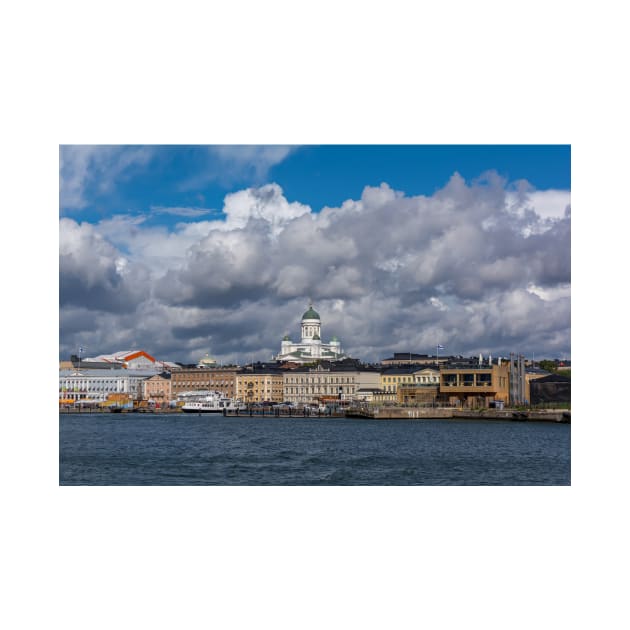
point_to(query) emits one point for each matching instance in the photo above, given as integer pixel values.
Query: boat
(214, 402)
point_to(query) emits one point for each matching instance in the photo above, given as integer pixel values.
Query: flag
(440, 347)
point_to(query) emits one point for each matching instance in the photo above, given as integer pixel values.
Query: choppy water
(139, 449)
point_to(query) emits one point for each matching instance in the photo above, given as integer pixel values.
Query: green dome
(311, 314)
(316, 336)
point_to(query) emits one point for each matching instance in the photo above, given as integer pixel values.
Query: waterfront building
(384, 398)
(553, 388)
(391, 378)
(257, 384)
(157, 388)
(328, 382)
(310, 347)
(367, 394)
(394, 377)
(220, 379)
(418, 394)
(97, 385)
(532, 374)
(475, 385)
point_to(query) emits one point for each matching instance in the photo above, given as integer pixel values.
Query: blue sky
(198, 177)
(183, 250)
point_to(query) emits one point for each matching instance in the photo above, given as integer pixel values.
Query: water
(140, 449)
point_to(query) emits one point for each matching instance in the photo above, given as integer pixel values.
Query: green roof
(316, 336)
(311, 314)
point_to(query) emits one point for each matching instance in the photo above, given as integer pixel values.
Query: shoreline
(385, 413)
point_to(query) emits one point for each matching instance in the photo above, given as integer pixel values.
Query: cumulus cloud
(477, 267)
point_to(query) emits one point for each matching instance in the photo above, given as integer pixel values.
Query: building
(310, 348)
(551, 389)
(532, 374)
(98, 385)
(418, 394)
(128, 359)
(394, 377)
(256, 384)
(220, 379)
(157, 389)
(475, 384)
(328, 382)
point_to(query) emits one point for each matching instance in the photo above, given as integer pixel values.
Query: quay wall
(392, 413)
(386, 413)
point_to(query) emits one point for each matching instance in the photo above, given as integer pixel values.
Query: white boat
(212, 403)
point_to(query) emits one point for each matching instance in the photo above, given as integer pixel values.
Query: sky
(187, 250)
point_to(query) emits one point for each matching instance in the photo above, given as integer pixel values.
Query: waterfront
(179, 449)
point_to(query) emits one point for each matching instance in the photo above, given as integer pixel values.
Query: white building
(305, 385)
(96, 385)
(130, 359)
(310, 347)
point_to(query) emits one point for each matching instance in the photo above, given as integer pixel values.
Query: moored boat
(213, 402)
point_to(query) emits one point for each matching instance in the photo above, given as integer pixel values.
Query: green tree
(548, 365)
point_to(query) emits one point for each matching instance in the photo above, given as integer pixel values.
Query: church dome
(311, 314)
(207, 361)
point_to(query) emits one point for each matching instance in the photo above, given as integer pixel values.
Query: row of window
(331, 391)
(321, 379)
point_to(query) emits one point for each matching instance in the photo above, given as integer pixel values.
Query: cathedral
(310, 348)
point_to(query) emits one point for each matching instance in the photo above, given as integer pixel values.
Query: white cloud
(387, 272)
(238, 159)
(266, 203)
(547, 204)
(82, 166)
(182, 211)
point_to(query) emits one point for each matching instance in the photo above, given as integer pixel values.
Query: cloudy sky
(188, 250)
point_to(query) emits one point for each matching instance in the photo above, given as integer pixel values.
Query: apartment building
(254, 385)
(221, 379)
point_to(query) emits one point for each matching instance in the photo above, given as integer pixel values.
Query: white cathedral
(311, 347)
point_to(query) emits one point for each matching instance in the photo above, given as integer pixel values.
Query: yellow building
(418, 394)
(394, 377)
(475, 386)
(259, 386)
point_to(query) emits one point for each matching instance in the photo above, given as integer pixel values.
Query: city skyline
(184, 251)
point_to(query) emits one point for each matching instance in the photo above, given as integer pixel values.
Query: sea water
(180, 449)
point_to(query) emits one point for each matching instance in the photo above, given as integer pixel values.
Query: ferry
(213, 403)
